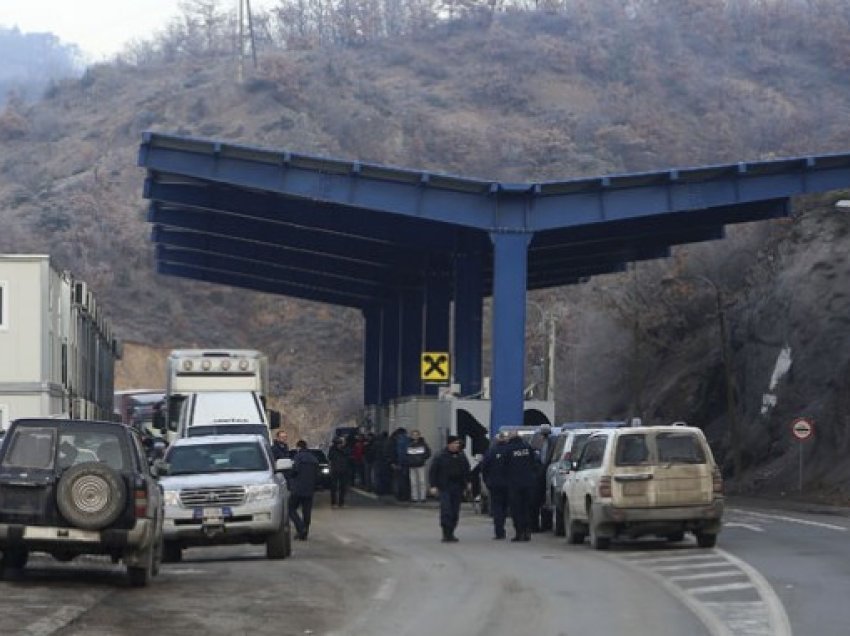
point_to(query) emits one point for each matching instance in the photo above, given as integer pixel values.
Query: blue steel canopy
(401, 244)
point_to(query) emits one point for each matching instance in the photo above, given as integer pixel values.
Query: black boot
(447, 535)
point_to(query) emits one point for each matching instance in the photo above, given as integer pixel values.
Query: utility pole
(243, 12)
(550, 359)
(731, 411)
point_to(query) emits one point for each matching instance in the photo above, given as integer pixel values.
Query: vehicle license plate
(212, 516)
(633, 488)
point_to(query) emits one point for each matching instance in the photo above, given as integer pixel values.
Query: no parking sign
(803, 429)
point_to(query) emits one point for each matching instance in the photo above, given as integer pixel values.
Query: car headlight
(171, 497)
(261, 492)
(326, 471)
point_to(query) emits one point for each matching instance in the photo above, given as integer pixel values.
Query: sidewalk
(790, 503)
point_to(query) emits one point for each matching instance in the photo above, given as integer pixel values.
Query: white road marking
(765, 617)
(183, 571)
(380, 559)
(690, 566)
(64, 615)
(705, 575)
(776, 615)
(735, 524)
(747, 619)
(385, 592)
(343, 539)
(727, 587)
(683, 556)
(805, 522)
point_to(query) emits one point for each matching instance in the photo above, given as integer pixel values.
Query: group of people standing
(509, 470)
(389, 463)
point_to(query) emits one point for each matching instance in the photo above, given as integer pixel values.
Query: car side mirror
(159, 468)
(283, 464)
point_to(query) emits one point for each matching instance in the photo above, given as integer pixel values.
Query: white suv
(225, 489)
(648, 480)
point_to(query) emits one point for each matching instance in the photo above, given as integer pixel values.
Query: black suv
(71, 487)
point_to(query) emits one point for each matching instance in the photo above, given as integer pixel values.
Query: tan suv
(646, 480)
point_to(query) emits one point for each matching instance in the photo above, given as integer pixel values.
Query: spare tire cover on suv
(91, 495)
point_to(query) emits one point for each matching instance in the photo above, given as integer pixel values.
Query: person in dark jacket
(370, 452)
(449, 476)
(401, 474)
(520, 470)
(417, 455)
(302, 485)
(340, 461)
(383, 459)
(494, 472)
(280, 447)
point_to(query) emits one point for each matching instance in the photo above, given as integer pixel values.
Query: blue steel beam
(391, 276)
(508, 335)
(339, 219)
(270, 271)
(491, 205)
(333, 297)
(275, 234)
(647, 228)
(372, 355)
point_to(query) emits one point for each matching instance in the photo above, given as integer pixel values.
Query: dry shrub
(13, 125)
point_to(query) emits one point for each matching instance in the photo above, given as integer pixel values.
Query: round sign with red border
(802, 429)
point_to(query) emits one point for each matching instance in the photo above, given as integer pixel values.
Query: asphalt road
(371, 569)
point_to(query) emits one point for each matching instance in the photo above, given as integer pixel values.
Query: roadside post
(802, 430)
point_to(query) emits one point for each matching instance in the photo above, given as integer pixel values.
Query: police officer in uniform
(520, 462)
(494, 472)
(449, 475)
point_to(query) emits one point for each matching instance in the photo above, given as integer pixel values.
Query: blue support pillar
(437, 315)
(411, 341)
(510, 272)
(468, 321)
(389, 352)
(372, 356)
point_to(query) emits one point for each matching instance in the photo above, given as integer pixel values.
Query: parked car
(225, 489)
(71, 487)
(646, 480)
(323, 479)
(568, 445)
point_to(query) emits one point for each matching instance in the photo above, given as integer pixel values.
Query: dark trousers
(402, 485)
(450, 507)
(383, 478)
(519, 498)
(499, 509)
(339, 486)
(369, 475)
(302, 521)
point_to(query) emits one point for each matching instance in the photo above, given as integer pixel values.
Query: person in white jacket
(417, 456)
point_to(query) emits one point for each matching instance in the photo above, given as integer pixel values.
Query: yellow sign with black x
(435, 366)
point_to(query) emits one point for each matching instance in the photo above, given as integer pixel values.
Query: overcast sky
(99, 27)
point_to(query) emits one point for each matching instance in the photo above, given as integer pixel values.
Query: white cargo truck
(223, 412)
(213, 370)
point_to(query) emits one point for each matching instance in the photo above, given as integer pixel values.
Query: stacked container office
(57, 351)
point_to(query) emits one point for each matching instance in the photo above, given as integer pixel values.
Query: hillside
(519, 96)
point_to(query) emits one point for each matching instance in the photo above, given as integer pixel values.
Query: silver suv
(652, 480)
(225, 489)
